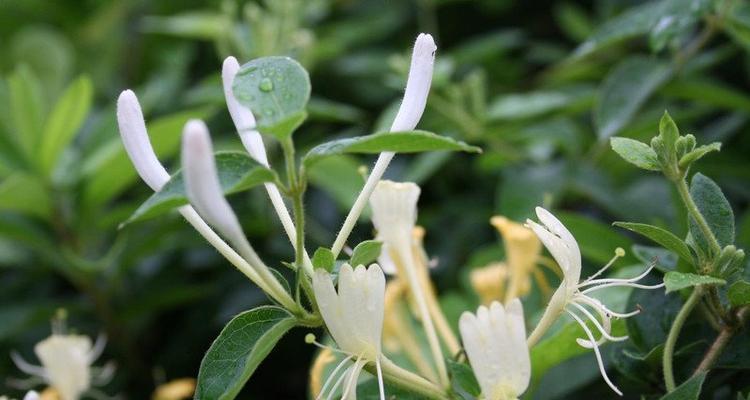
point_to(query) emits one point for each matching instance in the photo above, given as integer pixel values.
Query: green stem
(682, 189)
(721, 341)
(296, 191)
(674, 333)
(410, 381)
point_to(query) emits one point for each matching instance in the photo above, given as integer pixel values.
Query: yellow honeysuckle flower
(177, 389)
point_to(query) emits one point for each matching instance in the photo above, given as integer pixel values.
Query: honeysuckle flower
(489, 281)
(178, 389)
(495, 343)
(67, 364)
(137, 145)
(409, 113)
(205, 194)
(573, 297)
(394, 214)
(354, 318)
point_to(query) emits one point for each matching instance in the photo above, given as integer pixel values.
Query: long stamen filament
(622, 284)
(26, 366)
(619, 252)
(598, 304)
(380, 379)
(331, 376)
(605, 332)
(612, 280)
(599, 360)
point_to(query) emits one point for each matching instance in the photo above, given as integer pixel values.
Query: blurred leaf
(661, 236)
(277, 89)
(637, 153)
(28, 108)
(739, 293)
(238, 350)
(698, 153)
(398, 142)
(640, 20)
(47, 52)
(338, 177)
(715, 209)
(64, 121)
(625, 89)
(323, 258)
(237, 172)
(328, 110)
(596, 240)
(708, 92)
(573, 20)
(26, 194)
(520, 106)
(110, 171)
(204, 25)
(527, 186)
(689, 390)
(366, 252)
(675, 281)
(462, 378)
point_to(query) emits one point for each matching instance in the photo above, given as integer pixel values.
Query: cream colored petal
(556, 246)
(556, 227)
(330, 308)
(66, 361)
(417, 84)
(376, 302)
(479, 348)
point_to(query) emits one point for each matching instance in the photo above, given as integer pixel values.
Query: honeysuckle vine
(370, 316)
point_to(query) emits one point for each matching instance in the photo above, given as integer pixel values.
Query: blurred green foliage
(539, 86)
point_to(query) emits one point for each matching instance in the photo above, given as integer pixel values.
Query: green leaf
(366, 252)
(689, 390)
(26, 194)
(666, 260)
(637, 153)
(237, 172)
(462, 377)
(715, 210)
(27, 108)
(323, 258)
(64, 121)
(637, 21)
(338, 177)
(277, 89)
(680, 280)
(596, 240)
(661, 236)
(698, 153)
(625, 89)
(238, 350)
(668, 130)
(400, 142)
(739, 293)
(519, 106)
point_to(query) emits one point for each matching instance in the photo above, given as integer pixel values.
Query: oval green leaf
(398, 142)
(715, 209)
(624, 91)
(674, 280)
(661, 236)
(237, 172)
(277, 90)
(238, 350)
(637, 153)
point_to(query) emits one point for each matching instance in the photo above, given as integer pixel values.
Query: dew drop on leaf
(266, 85)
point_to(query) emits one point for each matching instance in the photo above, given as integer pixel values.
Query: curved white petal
(66, 362)
(137, 144)
(202, 181)
(243, 117)
(417, 84)
(394, 212)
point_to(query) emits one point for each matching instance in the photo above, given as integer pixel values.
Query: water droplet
(268, 112)
(266, 85)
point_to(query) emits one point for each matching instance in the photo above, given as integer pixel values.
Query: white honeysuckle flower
(417, 84)
(202, 181)
(409, 113)
(137, 144)
(354, 318)
(495, 343)
(67, 364)
(243, 118)
(394, 214)
(572, 297)
(31, 395)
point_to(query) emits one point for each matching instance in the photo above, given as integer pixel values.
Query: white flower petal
(417, 84)
(394, 212)
(243, 117)
(202, 181)
(66, 361)
(137, 144)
